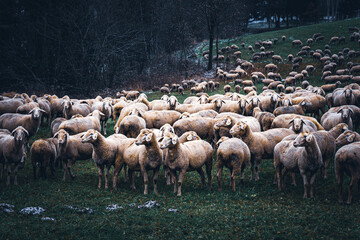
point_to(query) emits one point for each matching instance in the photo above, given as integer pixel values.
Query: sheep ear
(351, 111)
(31, 111)
(149, 137)
(228, 122)
(291, 122)
(160, 139)
(95, 136)
(340, 110)
(101, 114)
(222, 101)
(56, 135)
(302, 120)
(309, 138)
(42, 111)
(350, 137)
(174, 140)
(189, 137)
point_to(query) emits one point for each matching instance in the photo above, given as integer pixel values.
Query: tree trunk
(211, 40)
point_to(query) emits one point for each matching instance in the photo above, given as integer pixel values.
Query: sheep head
(184, 115)
(348, 94)
(303, 139)
(166, 128)
(90, 136)
(36, 113)
(218, 102)
(97, 114)
(346, 114)
(145, 137)
(20, 135)
(169, 140)
(345, 138)
(239, 129)
(297, 124)
(62, 136)
(203, 99)
(221, 140)
(225, 121)
(173, 102)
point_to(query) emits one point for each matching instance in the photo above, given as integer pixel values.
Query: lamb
(107, 152)
(78, 125)
(234, 154)
(261, 144)
(106, 108)
(70, 108)
(31, 122)
(71, 147)
(143, 155)
(265, 118)
(330, 119)
(44, 153)
(185, 157)
(131, 125)
(347, 161)
(13, 150)
(302, 154)
(347, 137)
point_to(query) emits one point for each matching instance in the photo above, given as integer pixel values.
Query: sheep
(106, 108)
(302, 154)
(204, 127)
(330, 119)
(78, 125)
(107, 152)
(126, 110)
(269, 102)
(270, 67)
(27, 107)
(203, 113)
(46, 106)
(10, 105)
(13, 150)
(117, 108)
(347, 137)
(283, 120)
(296, 109)
(227, 88)
(355, 69)
(55, 125)
(234, 106)
(131, 125)
(214, 105)
(131, 94)
(43, 153)
(347, 161)
(277, 58)
(248, 90)
(331, 87)
(189, 136)
(156, 119)
(71, 147)
(234, 154)
(169, 104)
(265, 118)
(296, 43)
(261, 144)
(70, 108)
(143, 155)
(31, 122)
(185, 157)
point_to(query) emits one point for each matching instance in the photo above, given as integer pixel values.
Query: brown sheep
(265, 118)
(190, 108)
(131, 125)
(344, 115)
(347, 137)
(156, 119)
(10, 105)
(234, 154)
(55, 125)
(185, 157)
(296, 109)
(44, 153)
(331, 87)
(296, 43)
(261, 144)
(227, 88)
(204, 127)
(283, 121)
(70, 108)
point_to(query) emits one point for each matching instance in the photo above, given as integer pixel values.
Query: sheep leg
(15, 173)
(34, 171)
(101, 171)
(306, 183)
(8, 167)
(340, 177)
(202, 176)
(219, 175)
(167, 176)
(257, 163)
(174, 177)
(293, 180)
(252, 169)
(104, 127)
(351, 185)
(65, 170)
(235, 171)
(126, 176)
(43, 170)
(107, 176)
(146, 180)
(117, 168)
(283, 174)
(132, 179)
(181, 177)
(155, 178)
(243, 166)
(312, 180)
(208, 172)
(278, 176)
(69, 168)
(52, 168)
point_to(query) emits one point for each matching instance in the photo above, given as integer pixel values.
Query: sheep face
(203, 99)
(184, 115)
(191, 136)
(303, 139)
(20, 135)
(135, 112)
(173, 102)
(145, 137)
(36, 113)
(62, 137)
(297, 124)
(238, 129)
(345, 138)
(223, 122)
(90, 136)
(348, 94)
(346, 114)
(169, 140)
(218, 103)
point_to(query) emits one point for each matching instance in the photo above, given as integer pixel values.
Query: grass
(257, 210)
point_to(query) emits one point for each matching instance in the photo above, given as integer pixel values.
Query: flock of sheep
(282, 123)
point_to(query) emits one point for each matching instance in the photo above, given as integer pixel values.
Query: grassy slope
(255, 210)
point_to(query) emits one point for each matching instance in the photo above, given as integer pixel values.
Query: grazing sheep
(234, 154)
(302, 154)
(261, 144)
(13, 150)
(43, 153)
(185, 157)
(31, 122)
(347, 161)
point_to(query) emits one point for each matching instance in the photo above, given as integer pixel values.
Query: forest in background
(86, 45)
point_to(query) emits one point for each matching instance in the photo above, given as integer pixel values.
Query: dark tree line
(90, 44)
